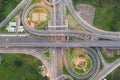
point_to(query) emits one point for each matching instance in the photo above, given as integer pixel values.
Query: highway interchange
(58, 43)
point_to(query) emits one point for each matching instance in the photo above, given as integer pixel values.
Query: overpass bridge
(27, 42)
(43, 43)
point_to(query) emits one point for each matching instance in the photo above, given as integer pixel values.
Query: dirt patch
(87, 12)
(111, 52)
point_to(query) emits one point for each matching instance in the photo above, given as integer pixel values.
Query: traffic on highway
(58, 39)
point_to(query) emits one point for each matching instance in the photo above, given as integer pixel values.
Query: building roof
(12, 23)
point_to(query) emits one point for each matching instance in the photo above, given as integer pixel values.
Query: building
(21, 29)
(104, 79)
(12, 27)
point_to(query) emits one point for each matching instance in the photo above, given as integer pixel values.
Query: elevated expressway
(38, 42)
(87, 26)
(12, 42)
(54, 32)
(93, 71)
(25, 42)
(107, 70)
(70, 6)
(62, 44)
(101, 33)
(57, 32)
(56, 52)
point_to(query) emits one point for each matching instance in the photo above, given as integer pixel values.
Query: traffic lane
(21, 39)
(43, 43)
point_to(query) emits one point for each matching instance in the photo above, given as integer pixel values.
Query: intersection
(58, 43)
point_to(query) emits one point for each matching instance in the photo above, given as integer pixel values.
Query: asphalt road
(56, 52)
(107, 70)
(59, 20)
(38, 42)
(13, 13)
(93, 72)
(31, 52)
(87, 26)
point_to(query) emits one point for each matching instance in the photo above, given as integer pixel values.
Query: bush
(18, 63)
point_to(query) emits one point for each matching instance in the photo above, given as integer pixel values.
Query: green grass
(3, 29)
(67, 10)
(6, 6)
(20, 67)
(109, 60)
(46, 53)
(107, 18)
(72, 51)
(115, 75)
(42, 25)
(35, 16)
(66, 72)
(89, 63)
(35, 1)
(107, 14)
(43, 17)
